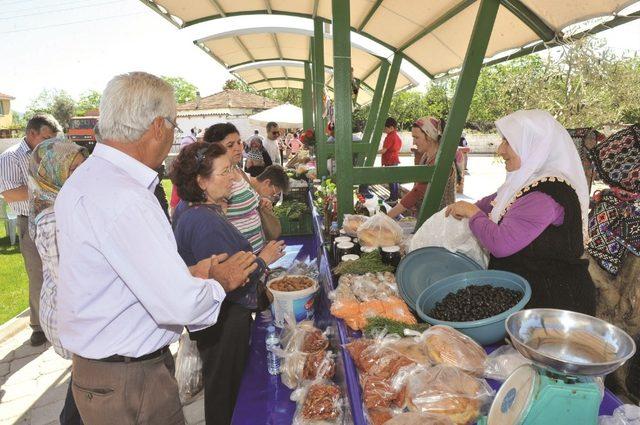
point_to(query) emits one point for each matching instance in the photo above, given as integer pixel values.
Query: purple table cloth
(263, 399)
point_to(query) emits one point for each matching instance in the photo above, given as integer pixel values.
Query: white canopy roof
(431, 34)
(266, 57)
(287, 116)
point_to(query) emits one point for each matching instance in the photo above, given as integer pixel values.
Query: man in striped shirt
(14, 164)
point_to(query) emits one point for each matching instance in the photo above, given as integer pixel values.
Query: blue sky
(78, 45)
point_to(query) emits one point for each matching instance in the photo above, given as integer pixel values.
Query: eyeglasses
(275, 133)
(174, 124)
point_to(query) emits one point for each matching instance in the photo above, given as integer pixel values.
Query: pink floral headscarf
(431, 126)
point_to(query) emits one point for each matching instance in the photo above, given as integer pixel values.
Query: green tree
(234, 84)
(88, 100)
(184, 90)
(55, 102)
(284, 95)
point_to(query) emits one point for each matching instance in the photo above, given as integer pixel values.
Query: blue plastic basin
(485, 331)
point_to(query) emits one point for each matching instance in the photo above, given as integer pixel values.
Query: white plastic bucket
(295, 304)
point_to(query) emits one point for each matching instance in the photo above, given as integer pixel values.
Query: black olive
(475, 302)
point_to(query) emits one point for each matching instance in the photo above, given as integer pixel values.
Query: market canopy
(287, 116)
(433, 35)
(264, 56)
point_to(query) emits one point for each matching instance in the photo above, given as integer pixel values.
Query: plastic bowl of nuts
(293, 297)
(476, 303)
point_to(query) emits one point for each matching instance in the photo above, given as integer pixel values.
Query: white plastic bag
(451, 234)
(502, 362)
(188, 369)
(627, 414)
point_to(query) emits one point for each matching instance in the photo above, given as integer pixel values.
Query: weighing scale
(569, 351)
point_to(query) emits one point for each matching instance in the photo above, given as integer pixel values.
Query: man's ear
(157, 125)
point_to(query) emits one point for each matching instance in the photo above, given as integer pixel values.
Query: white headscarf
(546, 150)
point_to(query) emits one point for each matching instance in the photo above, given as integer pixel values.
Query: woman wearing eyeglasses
(204, 176)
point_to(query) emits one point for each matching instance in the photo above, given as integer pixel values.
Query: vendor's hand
(273, 251)
(201, 269)
(461, 209)
(266, 203)
(232, 272)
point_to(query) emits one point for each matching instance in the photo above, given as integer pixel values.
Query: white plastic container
(295, 304)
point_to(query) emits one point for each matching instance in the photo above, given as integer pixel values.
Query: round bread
(447, 346)
(352, 222)
(378, 236)
(448, 391)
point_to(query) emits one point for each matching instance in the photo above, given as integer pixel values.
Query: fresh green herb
(370, 262)
(290, 209)
(376, 325)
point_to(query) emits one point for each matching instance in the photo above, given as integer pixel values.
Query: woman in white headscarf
(534, 225)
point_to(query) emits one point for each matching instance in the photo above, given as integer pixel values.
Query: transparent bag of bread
(352, 222)
(502, 362)
(446, 345)
(412, 418)
(448, 391)
(318, 402)
(380, 230)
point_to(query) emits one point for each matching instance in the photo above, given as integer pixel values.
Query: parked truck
(81, 131)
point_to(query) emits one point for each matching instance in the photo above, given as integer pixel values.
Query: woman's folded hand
(273, 251)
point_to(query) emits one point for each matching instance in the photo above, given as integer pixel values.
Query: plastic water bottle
(272, 341)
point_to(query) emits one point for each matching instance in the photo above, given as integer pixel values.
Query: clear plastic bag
(502, 362)
(451, 234)
(352, 222)
(627, 414)
(380, 230)
(412, 418)
(304, 355)
(446, 345)
(447, 391)
(188, 369)
(319, 402)
(359, 297)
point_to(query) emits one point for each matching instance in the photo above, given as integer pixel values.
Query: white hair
(131, 102)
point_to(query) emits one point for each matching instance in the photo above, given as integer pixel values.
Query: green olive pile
(475, 302)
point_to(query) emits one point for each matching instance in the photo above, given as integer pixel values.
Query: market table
(263, 399)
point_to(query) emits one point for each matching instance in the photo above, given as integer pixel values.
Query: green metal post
(318, 90)
(460, 107)
(384, 110)
(342, 85)
(374, 109)
(307, 98)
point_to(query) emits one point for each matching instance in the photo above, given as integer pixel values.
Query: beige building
(232, 106)
(6, 119)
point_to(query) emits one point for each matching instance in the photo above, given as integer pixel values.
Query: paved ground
(34, 382)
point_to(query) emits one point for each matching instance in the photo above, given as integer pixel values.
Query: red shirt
(393, 144)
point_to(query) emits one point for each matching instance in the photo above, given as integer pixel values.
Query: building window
(2, 108)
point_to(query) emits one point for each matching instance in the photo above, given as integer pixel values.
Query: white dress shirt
(123, 287)
(272, 148)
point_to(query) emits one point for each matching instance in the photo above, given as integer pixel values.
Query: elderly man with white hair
(124, 292)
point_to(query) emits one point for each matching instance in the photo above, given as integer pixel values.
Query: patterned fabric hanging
(617, 159)
(614, 230)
